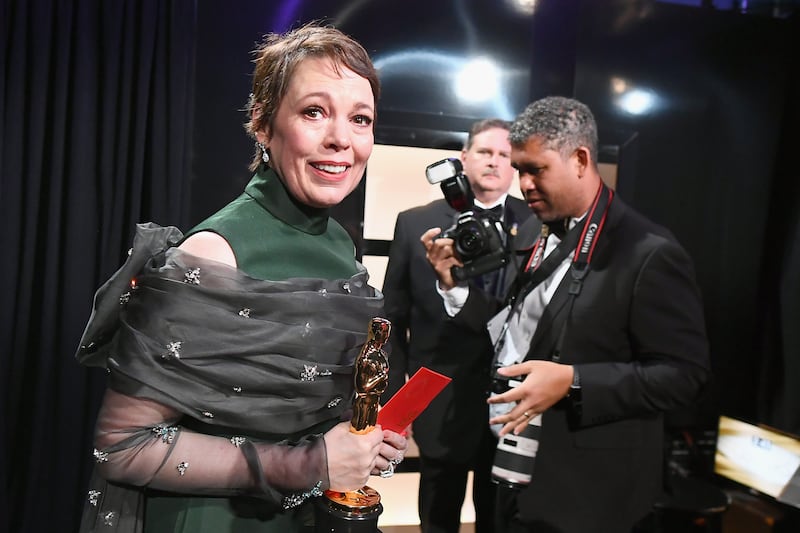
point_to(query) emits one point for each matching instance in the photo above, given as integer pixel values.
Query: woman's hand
(351, 457)
(392, 452)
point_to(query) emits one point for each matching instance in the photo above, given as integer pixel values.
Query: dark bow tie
(558, 228)
(496, 211)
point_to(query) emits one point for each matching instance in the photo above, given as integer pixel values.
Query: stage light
(523, 7)
(631, 99)
(477, 81)
(637, 101)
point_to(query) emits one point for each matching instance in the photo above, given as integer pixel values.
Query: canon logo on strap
(587, 239)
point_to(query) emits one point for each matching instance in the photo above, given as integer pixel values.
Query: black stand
(692, 505)
(348, 512)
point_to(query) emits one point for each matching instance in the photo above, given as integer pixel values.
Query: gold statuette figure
(371, 377)
(358, 510)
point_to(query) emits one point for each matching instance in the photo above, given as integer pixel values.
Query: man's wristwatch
(576, 381)
(575, 395)
(575, 388)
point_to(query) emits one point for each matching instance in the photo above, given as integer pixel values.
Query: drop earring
(264, 153)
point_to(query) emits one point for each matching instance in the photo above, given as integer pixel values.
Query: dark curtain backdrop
(778, 312)
(96, 103)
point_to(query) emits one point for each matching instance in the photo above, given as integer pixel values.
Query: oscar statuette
(357, 511)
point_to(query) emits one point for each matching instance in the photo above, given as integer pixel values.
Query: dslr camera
(478, 238)
(515, 456)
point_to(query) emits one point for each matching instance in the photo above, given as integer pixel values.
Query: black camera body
(478, 238)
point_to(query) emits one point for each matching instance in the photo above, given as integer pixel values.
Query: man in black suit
(452, 434)
(607, 337)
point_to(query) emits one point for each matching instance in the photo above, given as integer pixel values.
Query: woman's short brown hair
(279, 55)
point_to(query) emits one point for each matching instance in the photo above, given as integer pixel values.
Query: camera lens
(470, 241)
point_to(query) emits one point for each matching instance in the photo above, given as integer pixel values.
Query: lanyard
(537, 254)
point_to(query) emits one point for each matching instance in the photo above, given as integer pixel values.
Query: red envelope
(411, 399)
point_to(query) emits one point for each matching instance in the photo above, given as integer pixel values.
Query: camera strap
(583, 255)
(538, 269)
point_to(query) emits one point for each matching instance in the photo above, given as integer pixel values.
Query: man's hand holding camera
(545, 384)
(441, 256)
(478, 240)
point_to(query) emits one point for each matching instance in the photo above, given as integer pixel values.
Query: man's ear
(584, 159)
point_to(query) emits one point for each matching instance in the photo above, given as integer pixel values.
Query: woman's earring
(264, 153)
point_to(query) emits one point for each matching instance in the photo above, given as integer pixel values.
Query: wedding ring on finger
(527, 414)
(389, 472)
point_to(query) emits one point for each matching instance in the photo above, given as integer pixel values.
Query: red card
(411, 399)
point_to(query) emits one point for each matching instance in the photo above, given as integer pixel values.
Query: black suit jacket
(637, 337)
(423, 335)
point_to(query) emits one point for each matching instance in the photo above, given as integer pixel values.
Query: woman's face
(322, 132)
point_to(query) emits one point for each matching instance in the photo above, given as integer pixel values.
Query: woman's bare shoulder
(209, 245)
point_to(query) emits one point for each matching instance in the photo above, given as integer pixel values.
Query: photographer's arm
(441, 256)
(470, 308)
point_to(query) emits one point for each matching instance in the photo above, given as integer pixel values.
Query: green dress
(283, 250)
(275, 237)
